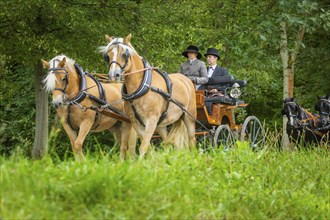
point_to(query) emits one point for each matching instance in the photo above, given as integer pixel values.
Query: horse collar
(144, 86)
(82, 87)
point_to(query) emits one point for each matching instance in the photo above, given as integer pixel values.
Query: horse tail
(132, 140)
(178, 135)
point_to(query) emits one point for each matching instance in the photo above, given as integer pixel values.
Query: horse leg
(71, 134)
(132, 140)
(128, 140)
(149, 131)
(162, 132)
(190, 125)
(84, 129)
(115, 131)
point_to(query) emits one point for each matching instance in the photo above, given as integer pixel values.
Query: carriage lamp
(235, 92)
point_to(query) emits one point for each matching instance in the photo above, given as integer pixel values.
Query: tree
(39, 29)
(246, 33)
(296, 18)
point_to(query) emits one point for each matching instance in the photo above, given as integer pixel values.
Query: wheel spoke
(252, 132)
(224, 137)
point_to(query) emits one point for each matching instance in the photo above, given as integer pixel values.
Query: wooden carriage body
(222, 113)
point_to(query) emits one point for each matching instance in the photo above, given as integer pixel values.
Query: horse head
(291, 110)
(323, 107)
(117, 54)
(57, 79)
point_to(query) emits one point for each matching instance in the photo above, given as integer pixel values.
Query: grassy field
(168, 184)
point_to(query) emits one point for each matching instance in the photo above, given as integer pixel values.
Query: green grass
(237, 184)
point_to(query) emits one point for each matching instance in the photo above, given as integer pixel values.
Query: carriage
(154, 102)
(220, 127)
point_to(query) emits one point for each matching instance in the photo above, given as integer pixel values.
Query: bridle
(290, 114)
(321, 110)
(127, 57)
(66, 78)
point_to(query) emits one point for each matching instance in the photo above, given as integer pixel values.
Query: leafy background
(246, 33)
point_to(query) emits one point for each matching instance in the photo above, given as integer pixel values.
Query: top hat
(193, 49)
(212, 51)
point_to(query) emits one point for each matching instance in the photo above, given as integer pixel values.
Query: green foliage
(238, 184)
(245, 32)
(17, 110)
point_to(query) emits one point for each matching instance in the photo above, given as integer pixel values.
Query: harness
(83, 94)
(324, 112)
(145, 86)
(290, 114)
(307, 121)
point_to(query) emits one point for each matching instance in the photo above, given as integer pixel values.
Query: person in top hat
(193, 68)
(215, 74)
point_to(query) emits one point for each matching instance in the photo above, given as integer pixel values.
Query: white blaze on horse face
(114, 68)
(52, 82)
(291, 121)
(58, 99)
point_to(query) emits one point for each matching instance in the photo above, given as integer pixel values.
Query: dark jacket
(219, 77)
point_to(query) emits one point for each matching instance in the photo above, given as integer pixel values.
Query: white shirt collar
(192, 60)
(213, 67)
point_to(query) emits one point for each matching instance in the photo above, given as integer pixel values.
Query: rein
(141, 70)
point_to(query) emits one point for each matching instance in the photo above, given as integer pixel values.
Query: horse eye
(123, 56)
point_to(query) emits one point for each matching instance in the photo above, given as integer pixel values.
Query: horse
(301, 125)
(323, 107)
(154, 99)
(291, 110)
(75, 95)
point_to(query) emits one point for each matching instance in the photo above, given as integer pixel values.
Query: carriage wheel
(224, 137)
(253, 132)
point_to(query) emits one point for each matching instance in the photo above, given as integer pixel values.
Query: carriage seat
(224, 85)
(224, 100)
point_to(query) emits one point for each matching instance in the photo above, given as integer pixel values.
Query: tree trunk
(287, 89)
(40, 145)
(288, 72)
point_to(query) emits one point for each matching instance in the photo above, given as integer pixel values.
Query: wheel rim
(224, 137)
(253, 132)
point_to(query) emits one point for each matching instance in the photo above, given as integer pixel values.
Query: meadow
(170, 184)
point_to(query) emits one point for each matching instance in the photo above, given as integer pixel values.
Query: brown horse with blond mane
(153, 99)
(75, 97)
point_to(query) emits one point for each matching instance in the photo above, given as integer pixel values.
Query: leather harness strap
(83, 94)
(144, 88)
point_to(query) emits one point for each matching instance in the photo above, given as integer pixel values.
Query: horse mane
(50, 78)
(104, 49)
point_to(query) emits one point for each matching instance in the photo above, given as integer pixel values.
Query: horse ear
(127, 39)
(45, 64)
(108, 38)
(62, 63)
